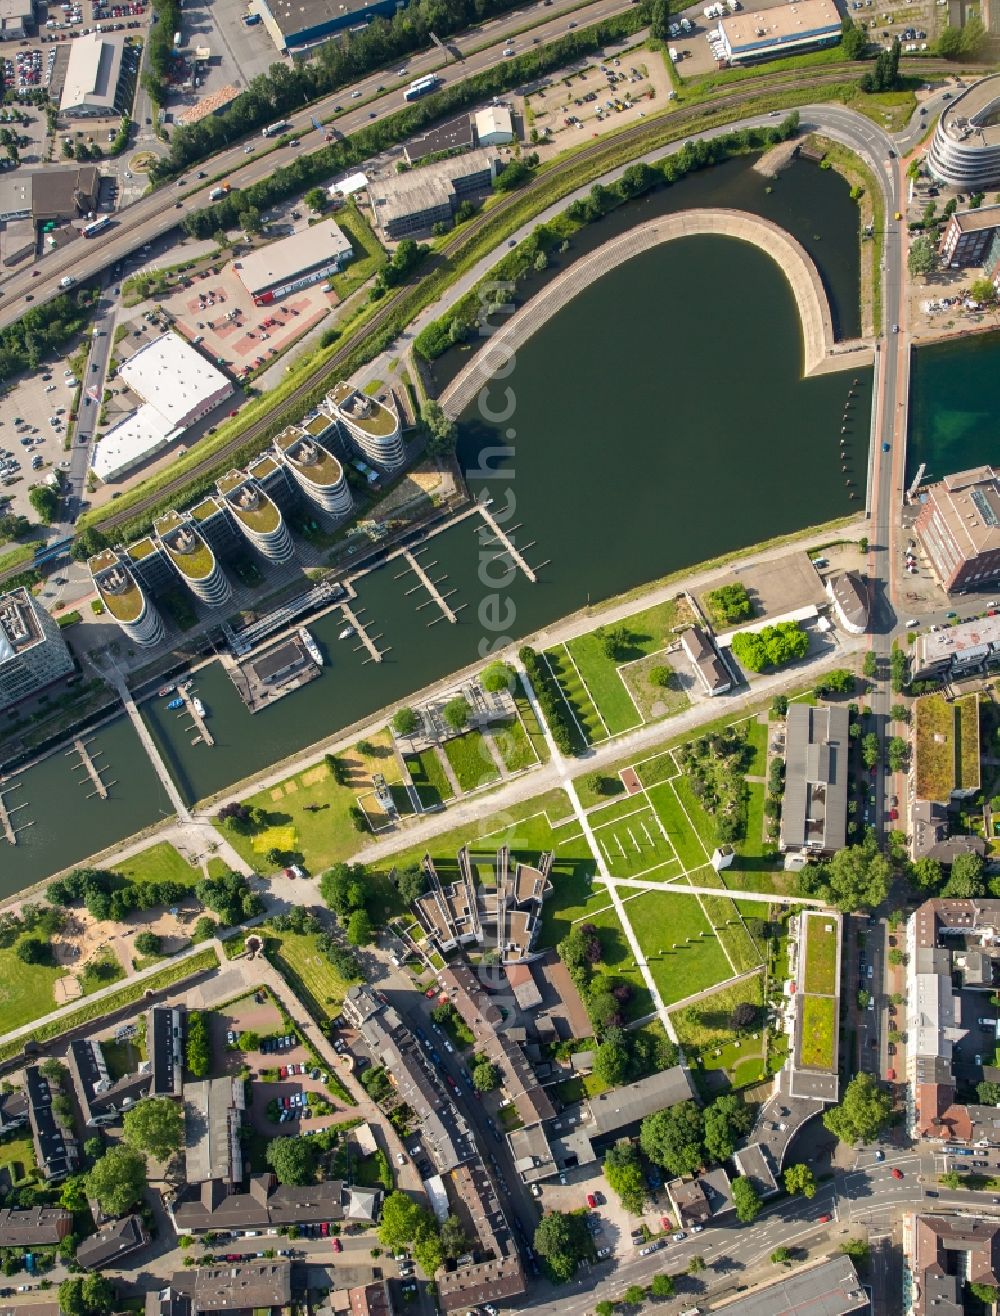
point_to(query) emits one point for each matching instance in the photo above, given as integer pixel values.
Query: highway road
(162, 210)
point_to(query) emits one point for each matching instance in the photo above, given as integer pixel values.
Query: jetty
(6, 822)
(352, 619)
(498, 536)
(152, 753)
(447, 612)
(87, 762)
(196, 717)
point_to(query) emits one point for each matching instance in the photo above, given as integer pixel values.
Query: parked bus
(421, 86)
(96, 226)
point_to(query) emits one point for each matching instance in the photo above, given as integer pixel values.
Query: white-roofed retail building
(93, 83)
(178, 388)
(494, 126)
(281, 267)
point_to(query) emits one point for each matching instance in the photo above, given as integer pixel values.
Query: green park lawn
(819, 1022)
(683, 837)
(619, 961)
(583, 712)
(17, 1157)
(101, 971)
(659, 768)
(307, 813)
(706, 1024)
(633, 843)
(821, 955)
(160, 863)
(25, 990)
(514, 745)
(683, 952)
(432, 785)
(530, 722)
(757, 741)
(471, 760)
(310, 974)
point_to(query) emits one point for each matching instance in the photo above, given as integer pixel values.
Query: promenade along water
(954, 406)
(659, 420)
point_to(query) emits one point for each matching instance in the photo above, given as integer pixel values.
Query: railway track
(649, 132)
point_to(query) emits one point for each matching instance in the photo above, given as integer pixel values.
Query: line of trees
(553, 705)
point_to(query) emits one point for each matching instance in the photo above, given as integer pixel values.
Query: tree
(316, 199)
(982, 290)
(725, 1120)
(623, 1171)
(746, 1200)
(453, 1239)
(899, 713)
(118, 1179)
(563, 1241)
(401, 1218)
(442, 433)
(615, 641)
(922, 258)
(155, 1125)
(661, 676)
(659, 20)
(147, 943)
(250, 221)
(988, 1093)
(800, 1179)
(744, 1016)
(973, 38)
(73, 1192)
(405, 721)
(966, 880)
(486, 1077)
(204, 929)
(32, 950)
(730, 603)
(428, 1250)
(198, 1048)
(87, 1295)
(410, 883)
(359, 929)
(611, 1060)
(897, 956)
(662, 1286)
(856, 877)
(457, 713)
(673, 1138)
(781, 1256)
(772, 646)
(853, 39)
(604, 1308)
(950, 1179)
(926, 873)
(498, 676)
(863, 1111)
(855, 1248)
(343, 888)
(293, 1160)
(44, 499)
(634, 1295)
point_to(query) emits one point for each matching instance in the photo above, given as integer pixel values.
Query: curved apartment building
(965, 149)
(193, 559)
(373, 427)
(124, 599)
(317, 472)
(256, 516)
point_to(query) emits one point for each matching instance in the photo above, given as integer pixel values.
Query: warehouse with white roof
(749, 38)
(178, 388)
(295, 262)
(94, 83)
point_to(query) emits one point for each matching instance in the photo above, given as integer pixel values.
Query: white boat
(312, 648)
(198, 706)
(346, 633)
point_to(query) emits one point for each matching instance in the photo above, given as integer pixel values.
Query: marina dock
(271, 675)
(152, 753)
(351, 617)
(6, 822)
(500, 537)
(196, 717)
(87, 762)
(410, 559)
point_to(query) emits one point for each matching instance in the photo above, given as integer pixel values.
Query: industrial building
(94, 83)
(411, 203)
(968, 237)
(124, 599)
(494, 126)
(298, 261)
(17, 19)
(370, 426)
(450, 135)
(965, 148)
(814, 808)
(959, 527)
(292, 26)
(178, 388)
(751, 37)
(33, 653)
(57, 194)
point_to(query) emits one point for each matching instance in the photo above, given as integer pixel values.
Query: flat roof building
(315, 469)
(814, 807)
(750, 37)
(124, 599)
(213, 1118)
(829, 1288)
(967, 237)
(17, 19)
(33, 653)
(955, 651)
(959, 527)
(94, 84)
(450, 135)
(944, 766)
(280, 267)
(178, 388)
(405, 204)
(370, 426)
(291, 26)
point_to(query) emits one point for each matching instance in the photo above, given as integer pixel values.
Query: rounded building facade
(125, 600)
(194, 560)
(965, 148)
(370, 426)
(257, 516)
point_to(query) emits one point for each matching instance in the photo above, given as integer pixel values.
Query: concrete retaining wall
(820, 351)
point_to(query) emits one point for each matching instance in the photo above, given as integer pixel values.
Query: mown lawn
(432, 786)
(471, 760)
(821, 955)
(603, 680)
(683, 952)
(619, 962)
(819, 1020)
(309, 972)
(530, 722)
(757, 741)
(634, 844)
(514, 746)
(17, 1157)
(707, 1023)
(25, 990)
(683, 837)
(160, 863)
(307, 814)
(583, 712)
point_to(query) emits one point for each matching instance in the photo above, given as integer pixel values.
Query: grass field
(684, 954)
(514, 746)
(659, 768)
(706, 1024)
(685, 840)
(471, 760)
(308, 812)
(634, 844)
(429, 778)
(160, 863)
(530, 721)
(619, 961)
(819, 1022)
(757, 741)
(821, 955)
(582, 710)
(310, 973)
(654, 701)
(104, 969)
(17, 1157)
(25, 990)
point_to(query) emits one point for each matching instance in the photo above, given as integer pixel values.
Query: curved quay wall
(821, 352)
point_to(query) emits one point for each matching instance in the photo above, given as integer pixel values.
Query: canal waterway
(659, 420)
(954, 406)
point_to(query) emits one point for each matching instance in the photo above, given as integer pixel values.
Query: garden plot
(635, 845)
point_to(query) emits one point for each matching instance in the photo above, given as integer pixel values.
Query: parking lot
(239, 53)
(32, 433)
(598, 98)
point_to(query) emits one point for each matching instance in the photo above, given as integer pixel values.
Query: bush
(198, 1050)
(771, 647)
(730, 603)
(551, 701)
